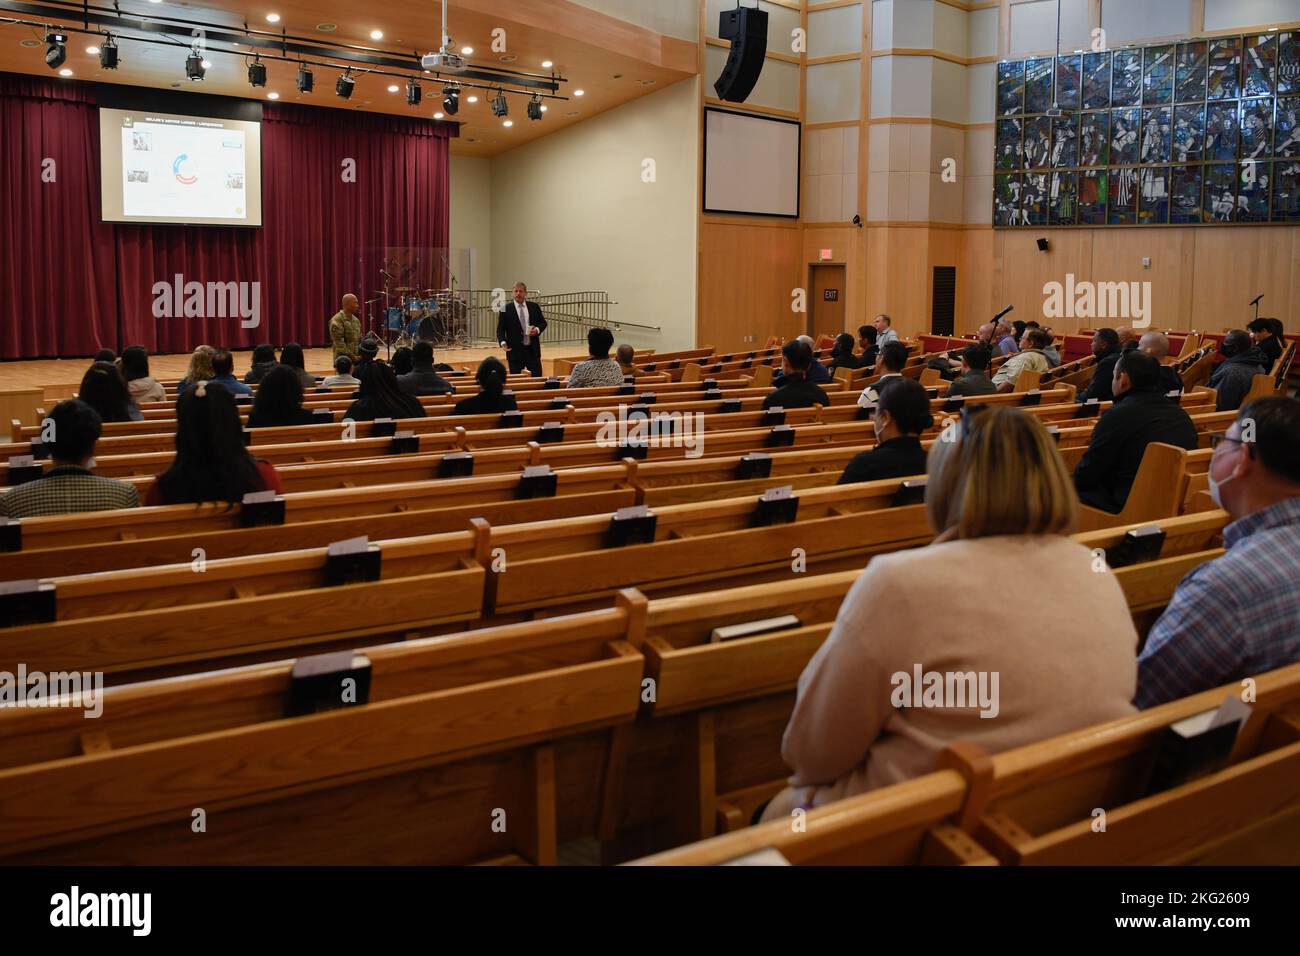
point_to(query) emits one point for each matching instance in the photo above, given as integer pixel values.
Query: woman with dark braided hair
(211, 461)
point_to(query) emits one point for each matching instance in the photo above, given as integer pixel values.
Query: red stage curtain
(322, 236)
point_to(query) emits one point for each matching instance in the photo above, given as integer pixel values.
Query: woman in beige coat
(1003, 631)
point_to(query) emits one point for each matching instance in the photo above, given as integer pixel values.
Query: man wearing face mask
(902, 414)
(1238, 616)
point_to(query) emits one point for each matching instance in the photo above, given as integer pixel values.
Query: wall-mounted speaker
(1043, 245)
(746, 28)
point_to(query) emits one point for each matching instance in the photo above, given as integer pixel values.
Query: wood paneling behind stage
(748, 274)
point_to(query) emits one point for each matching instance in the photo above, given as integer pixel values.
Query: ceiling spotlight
(57, 51)
(257, 73)
(305, 79)
(472, 99)
(535, 108)
(451, 99)
(194, 68)
(273, 18)
(500, 105)
(343, 86)
(414, 95)
(579, 92)
(437, 116)
(376, 34)
(508, 123)
(65, 72)
(108, 53)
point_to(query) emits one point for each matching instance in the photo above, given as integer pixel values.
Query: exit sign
(827, 255)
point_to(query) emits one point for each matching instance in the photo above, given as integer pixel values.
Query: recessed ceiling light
(273, 18)
(508, 123)
(437, 116)
(327, 27)
(472, 99)
(176, 86)
(467, 50)
(65, 72)
(509, 58)
(574, 113)
(579, 92)
(272, 96)
(29, 43)
(92, 50)
(649, 82)
(376, 34)
(547, 64)
(392, 88)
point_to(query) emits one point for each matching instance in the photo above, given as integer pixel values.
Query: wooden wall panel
(748, 273)
(1232, 266)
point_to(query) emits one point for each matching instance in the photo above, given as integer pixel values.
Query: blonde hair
(1002, 475)
(200, 364)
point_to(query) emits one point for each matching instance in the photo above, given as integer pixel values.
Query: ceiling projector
(445, 61)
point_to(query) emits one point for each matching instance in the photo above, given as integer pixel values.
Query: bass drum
(430, 329)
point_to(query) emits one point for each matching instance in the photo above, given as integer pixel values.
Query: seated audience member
(599, 371)
(1242, 361)
(70, 486)
(1141, 415)
(380, 397)
(367, 352)
(892, 359)
(626, 356)
(1156, 344)
(403, 362)
(842, 354)
(422, 379)
(263, 362)
(279, 401)
(105, 355)
(818, 374)
(1018, 329)
(1105, 347)
(795, 390)
(1128, 339)
(342, 374)
(867, 337)
(1050, 350)
(884, 330)
(103, 389)
(139, 383)
(1000, 501)
(223, 373)
(974, 379)
(292, 356)
(492, 398)
(200, 369)
(902, 414)
(1238, 616)
(1005, 334)
(1030, 358)
(211, 461)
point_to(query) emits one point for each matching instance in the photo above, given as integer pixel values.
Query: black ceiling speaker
(746, 28)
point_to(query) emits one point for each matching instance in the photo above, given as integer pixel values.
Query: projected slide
(161, 168)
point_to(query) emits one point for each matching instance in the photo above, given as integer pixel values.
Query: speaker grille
(944, 301)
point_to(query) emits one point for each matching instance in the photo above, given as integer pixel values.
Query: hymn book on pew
(1197, 745)
(754, 628)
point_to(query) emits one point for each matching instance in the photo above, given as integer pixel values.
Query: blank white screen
(752, 164)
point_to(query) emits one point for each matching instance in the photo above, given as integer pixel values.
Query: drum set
(436, 316)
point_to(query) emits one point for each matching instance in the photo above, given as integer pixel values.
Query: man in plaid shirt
(1240, 615)
(70, 486)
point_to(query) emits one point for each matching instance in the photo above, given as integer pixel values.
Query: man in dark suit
(796, 391)
(519, 331)
(1141, 415)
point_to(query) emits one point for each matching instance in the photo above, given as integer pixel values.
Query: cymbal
(404, 288)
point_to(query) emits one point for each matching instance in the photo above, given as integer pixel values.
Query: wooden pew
(501, 726)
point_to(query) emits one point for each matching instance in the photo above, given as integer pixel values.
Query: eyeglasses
(1217, 438)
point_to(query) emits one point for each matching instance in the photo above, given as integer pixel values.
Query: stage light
(306, 81)
(57, 51)
(343, 86)
(194, 68)
(535, 108)
(108, 54)
(414, 95)
(451, 100)
(500, 105)
(257, 73)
